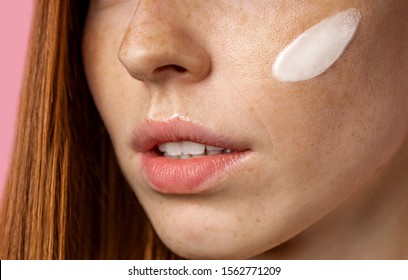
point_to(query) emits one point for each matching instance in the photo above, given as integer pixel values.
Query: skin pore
(326, 176)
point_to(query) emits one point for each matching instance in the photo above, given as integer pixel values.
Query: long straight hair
(65, 197)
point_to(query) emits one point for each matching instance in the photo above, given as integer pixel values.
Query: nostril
(174, 67)
(179, 69)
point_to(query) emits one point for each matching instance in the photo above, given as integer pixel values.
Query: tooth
(213, 148)
(187, 149)
(214, 152)
(192, 148)
(173, 148)
(169, 156)
(163, 147)
(183, 156)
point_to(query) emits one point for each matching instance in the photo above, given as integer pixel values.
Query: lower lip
(187, 176)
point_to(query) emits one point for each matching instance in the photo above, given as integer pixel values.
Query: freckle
(235, 234)
(243, 19)
(258, 220)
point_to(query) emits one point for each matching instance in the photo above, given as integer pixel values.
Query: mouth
(179, 157)
(188, 149)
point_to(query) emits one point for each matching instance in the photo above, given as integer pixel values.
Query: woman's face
(201, 71)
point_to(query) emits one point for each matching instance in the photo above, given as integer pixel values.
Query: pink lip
(184, 176)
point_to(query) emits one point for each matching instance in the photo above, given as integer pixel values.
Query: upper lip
(153, 133)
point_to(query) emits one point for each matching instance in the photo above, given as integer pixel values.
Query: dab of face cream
(314, 51)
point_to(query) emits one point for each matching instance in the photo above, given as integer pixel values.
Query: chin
(218, 251)
(199, 241)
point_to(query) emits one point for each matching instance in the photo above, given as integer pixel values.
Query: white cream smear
(315, 50)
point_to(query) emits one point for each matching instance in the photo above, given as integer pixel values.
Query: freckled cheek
(329, 106)
(304, 124)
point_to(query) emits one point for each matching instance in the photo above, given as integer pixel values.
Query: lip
(184, 176)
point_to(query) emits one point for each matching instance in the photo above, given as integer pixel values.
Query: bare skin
(327, 177)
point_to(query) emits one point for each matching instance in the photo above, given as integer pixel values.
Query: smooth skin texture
(327, 177)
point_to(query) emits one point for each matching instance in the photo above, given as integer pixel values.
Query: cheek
(344, 123)
(98, 61)
(108, 80)
(334, 139)
(324, 138)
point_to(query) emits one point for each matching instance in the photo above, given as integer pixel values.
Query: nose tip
(153, 62)
(155, 51)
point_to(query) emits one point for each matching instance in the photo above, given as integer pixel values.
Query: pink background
(15, 21)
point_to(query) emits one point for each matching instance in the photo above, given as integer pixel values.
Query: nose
(158, 47)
